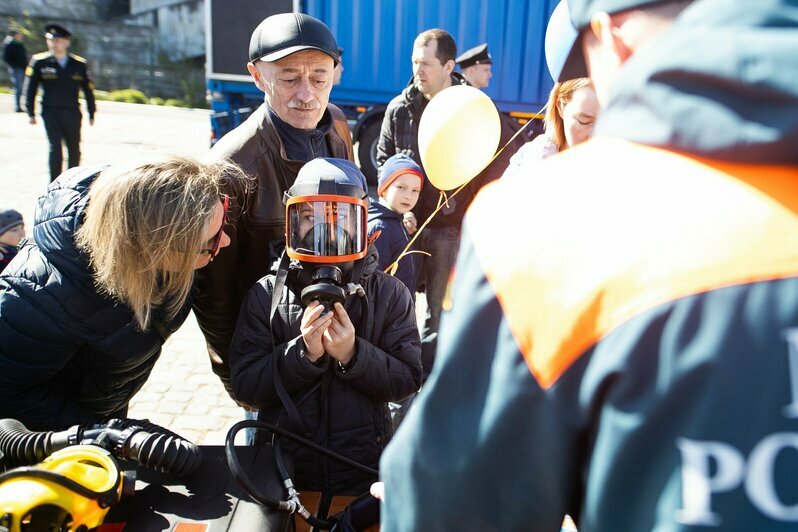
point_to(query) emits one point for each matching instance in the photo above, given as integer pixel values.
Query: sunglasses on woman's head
(217, 239)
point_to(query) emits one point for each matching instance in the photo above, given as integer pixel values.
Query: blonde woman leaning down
(88, 302)
(570, 117)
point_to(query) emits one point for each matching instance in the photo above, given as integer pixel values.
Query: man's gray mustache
(302, 105)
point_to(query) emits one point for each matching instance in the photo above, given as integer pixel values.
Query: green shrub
(174, 102)
(100, 94)
(156, 101)
(128, 96)
(6, 90)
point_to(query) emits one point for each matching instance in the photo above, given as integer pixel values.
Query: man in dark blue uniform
(622, 344)
(61, 75)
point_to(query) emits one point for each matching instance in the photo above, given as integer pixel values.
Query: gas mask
(326, 227)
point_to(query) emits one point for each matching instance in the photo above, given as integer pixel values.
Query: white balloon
(560, 38)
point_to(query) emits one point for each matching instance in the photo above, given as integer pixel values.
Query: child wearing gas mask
(398, 187)
(338, 341)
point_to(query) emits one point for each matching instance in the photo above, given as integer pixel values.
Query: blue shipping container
(377, 36)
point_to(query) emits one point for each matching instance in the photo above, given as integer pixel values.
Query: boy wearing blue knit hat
(399, 186)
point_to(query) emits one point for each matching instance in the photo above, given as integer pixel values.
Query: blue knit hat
(397, 165)
(9, 219)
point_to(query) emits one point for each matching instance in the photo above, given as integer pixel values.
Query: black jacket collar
(302, 144)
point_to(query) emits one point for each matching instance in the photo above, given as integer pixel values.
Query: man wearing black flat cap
(61, 75)
(292, 58)
(475, 65)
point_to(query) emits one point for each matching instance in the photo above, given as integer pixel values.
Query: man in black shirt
(16, 57)
(61, 75)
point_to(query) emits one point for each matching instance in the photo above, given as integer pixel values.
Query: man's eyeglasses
(217, 239)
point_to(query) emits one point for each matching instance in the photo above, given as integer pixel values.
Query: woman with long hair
(570, 117)
(87, 304)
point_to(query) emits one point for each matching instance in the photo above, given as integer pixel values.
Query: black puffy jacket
(345, 412)
(68, 354)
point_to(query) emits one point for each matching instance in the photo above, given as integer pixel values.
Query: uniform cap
(9, 219)
(396, 166)
(53, 31)
(478, 55)
(284, 34)
(574, 65)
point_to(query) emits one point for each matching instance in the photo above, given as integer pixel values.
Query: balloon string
(506, 144)
(443, 199)
(391, 269)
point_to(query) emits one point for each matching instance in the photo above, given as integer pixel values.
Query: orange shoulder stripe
(609, 229)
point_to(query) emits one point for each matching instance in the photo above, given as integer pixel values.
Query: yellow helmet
(72, 489)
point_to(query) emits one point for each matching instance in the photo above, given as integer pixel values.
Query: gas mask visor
(326, 228)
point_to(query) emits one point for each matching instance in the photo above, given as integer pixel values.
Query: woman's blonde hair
(560, 95)
(144, 227)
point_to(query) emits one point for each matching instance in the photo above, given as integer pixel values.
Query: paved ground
(182, 393)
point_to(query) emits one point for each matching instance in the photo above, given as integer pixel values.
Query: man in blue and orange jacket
(623, 340)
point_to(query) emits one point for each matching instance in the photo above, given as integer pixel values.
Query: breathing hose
(292, 504)
(139, 440)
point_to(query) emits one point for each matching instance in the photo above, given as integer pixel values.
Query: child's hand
(312, 328)
(410, 223)
(378, 490)
(339, 337)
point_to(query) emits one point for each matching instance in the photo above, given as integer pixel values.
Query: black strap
(293, 413)
(365, 318)
(358, 268)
